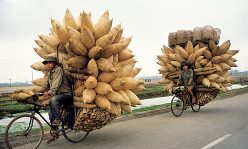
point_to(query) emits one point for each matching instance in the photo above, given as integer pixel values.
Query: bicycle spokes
(25, 128)
(177, 106)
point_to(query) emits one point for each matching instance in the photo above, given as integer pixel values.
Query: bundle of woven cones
(97, 57)
(211, 64)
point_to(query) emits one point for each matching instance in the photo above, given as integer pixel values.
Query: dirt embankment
(5, 91)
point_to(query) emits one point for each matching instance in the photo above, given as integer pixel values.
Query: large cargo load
(97, 57)
(210, 61)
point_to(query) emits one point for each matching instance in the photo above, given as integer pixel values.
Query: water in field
(145, 103)
(236, 86)
(21, 123)
(167, 99)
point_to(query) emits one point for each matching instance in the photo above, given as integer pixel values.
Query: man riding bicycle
(186, 78)
(58, 89)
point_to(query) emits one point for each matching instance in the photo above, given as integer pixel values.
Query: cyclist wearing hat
(186, 79)
(57, 88)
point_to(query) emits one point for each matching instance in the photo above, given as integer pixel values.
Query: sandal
(54, 136)
(51, 140)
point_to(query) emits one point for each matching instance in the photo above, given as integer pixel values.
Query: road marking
(216, 141)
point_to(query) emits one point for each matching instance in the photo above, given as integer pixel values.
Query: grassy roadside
(152, 110)
(222, 95)
(234, 92)
(159, 89)
(9, 107)
(152, 91)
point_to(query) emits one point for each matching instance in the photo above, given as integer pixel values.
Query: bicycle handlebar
(35, 99)
(179, 89)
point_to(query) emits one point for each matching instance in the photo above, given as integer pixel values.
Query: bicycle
(30, 129)
(180, 100)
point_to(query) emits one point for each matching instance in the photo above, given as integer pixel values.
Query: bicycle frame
(180, 92)
(35, 110)
(31, 119)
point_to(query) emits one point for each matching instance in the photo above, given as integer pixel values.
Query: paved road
(222, 124)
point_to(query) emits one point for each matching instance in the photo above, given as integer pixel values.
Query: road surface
(222, 124)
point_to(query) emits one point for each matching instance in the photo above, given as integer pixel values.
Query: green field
(152, 91)
(9, 107)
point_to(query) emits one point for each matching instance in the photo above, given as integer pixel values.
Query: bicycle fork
(30, 125)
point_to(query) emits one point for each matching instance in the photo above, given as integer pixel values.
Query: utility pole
(10, 82)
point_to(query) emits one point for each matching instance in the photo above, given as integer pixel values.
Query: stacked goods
(97, 57)
(198, 34)
(24, 94)
(206, 96)
(91, 119)
(211, 64)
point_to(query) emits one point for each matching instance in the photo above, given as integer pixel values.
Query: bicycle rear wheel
(26, 130)
(71, 134)
(177, 106)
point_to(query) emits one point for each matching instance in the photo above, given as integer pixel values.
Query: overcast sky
(147, 21)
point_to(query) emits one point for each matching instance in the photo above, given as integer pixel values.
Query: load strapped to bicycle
(100, 63)
(210, 62)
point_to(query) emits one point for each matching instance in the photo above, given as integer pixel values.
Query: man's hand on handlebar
(46, 95)
(35, 99)
(39, 94)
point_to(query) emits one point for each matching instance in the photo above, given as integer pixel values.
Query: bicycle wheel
(177, 106)
(26, 130)
(71, 134)
(195, 107)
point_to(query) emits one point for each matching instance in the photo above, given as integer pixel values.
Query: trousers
(55, 103)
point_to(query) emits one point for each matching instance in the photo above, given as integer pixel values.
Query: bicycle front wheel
(177, 106)
(25, 130)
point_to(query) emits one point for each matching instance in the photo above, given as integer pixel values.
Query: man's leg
(54, 108)
(190, 90)
(50, 114)
(54, 113)
(55, 104)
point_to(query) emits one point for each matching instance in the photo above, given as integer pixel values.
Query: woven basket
(207, 33)
(181, 37)
(172, 39)
(217, 33)
(205, 97)
(196, 36)
(91, 119)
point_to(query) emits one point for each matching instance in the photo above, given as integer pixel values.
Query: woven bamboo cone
(95, 56)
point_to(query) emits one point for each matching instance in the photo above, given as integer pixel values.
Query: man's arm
(179, 80)
(190, 81)
(191, 77)
(45, 87)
